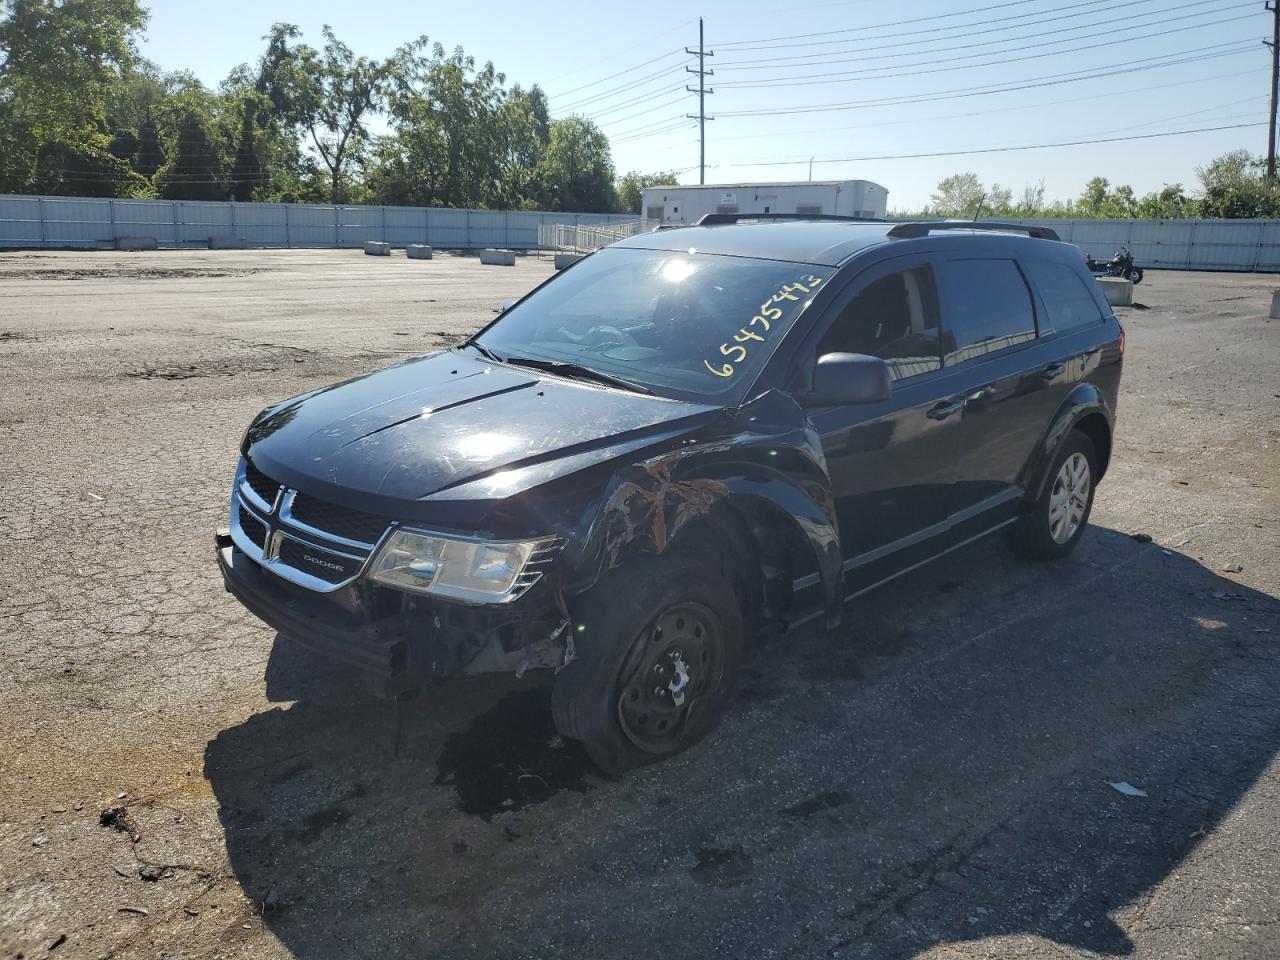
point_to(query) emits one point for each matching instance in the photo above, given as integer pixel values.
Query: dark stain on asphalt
(721, 867)
(823, 801)
(317, 823)
(512, 756)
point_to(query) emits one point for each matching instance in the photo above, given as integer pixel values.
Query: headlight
(474, 571)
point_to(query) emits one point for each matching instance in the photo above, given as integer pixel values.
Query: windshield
(695, 326)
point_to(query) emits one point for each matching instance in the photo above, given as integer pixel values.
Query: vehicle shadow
(955, 765)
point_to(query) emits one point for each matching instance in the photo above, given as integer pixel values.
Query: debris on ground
(117, 817)
(153, 872)
(1141, 537)
(140, 911)
(40, 841)
(1233, 568)
(1128, 789)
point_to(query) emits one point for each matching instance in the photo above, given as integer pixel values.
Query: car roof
(826, 243)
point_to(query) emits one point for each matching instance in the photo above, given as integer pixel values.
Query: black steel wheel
(1136, 275)
(658, 643)
(671, 665)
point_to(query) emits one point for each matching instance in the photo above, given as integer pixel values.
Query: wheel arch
(784, 523)
(1086, 410)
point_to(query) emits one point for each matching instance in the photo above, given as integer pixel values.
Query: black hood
(444, 420)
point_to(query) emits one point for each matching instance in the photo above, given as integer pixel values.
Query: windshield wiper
(569, 369)
(483, 351)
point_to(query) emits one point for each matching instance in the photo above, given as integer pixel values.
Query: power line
(842, 56)
(957, 64)
(987, 111)
(592, 63)
(984, 150)
(1038, 15)
(896, 23)
(989, 89)
(664, 73)
(620, 73)
(933, 59)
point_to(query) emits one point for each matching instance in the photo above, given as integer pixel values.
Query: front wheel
(1135, 275)
(1054, 524)
(658, 645)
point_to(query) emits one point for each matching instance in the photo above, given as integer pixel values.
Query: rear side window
(986, 307)
(1066, 297)
(894, 318)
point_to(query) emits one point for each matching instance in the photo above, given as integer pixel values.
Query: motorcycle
(1120, 265)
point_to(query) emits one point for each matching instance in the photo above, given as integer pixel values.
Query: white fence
(1246, 245)
(86, 222)
(582, 238)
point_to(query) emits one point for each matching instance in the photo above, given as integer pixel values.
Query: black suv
(684, 436)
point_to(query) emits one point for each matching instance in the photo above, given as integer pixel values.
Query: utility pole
(702, 73)
(1274, 7)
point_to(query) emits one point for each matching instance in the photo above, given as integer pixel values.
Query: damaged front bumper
(396, 641)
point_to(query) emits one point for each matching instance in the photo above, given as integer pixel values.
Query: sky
(869, 90)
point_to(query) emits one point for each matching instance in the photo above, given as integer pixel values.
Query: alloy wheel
(1069, 498)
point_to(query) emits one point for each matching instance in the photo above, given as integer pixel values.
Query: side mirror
(850, 378)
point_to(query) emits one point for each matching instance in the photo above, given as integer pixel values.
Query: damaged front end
(399, 642)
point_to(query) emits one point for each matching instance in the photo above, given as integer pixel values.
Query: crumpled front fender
(766, 461)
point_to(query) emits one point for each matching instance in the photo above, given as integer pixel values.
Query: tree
(196, 167)
(576, 171)
(331, 95)
(1095, 195)
(631, 188)
(57, 60)
(957, 195)
(1235, 185)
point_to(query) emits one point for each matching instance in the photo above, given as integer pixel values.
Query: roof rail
(907, 231)
(714, 219)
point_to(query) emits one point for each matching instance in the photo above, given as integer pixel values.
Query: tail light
(1121, 342)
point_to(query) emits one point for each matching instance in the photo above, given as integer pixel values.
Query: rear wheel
(658, 644)
(1056, 521)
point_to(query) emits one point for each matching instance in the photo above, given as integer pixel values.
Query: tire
(1135, 275)
(659, 644)
(1054, 524)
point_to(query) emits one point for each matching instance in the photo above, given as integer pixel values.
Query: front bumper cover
(401, 649)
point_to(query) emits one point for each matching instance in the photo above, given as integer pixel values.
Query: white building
(688, 204)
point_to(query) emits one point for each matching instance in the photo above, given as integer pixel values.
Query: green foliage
(58, 59)
(332, 93)
(632, 186)
(1232, 186)
(576, 169)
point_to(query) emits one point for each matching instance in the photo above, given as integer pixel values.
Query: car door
(1002, 383)
(888, 482)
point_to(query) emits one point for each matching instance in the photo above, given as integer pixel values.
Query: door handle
(945, 409)
(1053, 371)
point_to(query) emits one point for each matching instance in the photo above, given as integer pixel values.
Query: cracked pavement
(934, 780)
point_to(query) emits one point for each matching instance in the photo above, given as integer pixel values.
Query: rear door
(1002, 381)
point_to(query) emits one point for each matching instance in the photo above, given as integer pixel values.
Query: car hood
(437, 422)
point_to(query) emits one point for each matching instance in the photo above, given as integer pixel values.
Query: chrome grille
(305, 540)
